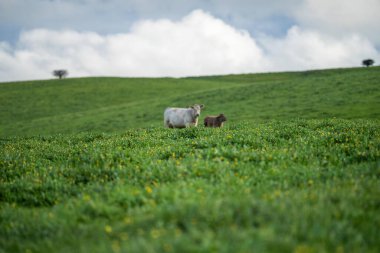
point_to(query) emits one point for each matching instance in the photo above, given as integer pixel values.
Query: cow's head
(196, 110)
(221, 118)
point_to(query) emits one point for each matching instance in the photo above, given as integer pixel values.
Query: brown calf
(215, 121)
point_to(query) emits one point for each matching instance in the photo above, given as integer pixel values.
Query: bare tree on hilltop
(368, 62)
(60, 73)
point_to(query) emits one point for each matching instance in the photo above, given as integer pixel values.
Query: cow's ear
(202, 106)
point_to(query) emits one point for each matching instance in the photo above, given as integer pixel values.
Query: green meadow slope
(116, 104)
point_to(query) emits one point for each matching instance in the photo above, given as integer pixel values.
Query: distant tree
(60, 73)
(368, 62)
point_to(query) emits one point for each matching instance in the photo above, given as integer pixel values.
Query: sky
(178, 38)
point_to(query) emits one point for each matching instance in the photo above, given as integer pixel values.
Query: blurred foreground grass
(278, 186)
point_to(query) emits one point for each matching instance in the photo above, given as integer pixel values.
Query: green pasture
(86, 165)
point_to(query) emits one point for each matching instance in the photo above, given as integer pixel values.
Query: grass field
(296, 169)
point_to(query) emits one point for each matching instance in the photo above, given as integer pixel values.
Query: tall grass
(279, 186)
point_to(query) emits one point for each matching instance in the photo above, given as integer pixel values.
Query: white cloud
(341, 17)
(306, 49)
(198, 44)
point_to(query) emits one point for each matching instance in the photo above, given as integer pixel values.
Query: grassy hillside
(86, 166)
(116, 104)
(280, 186)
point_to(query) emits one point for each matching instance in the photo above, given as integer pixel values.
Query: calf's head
(221, 118)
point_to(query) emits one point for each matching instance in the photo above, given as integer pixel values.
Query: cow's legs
(189, 125)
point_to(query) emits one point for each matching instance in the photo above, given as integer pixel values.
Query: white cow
(182, 117)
